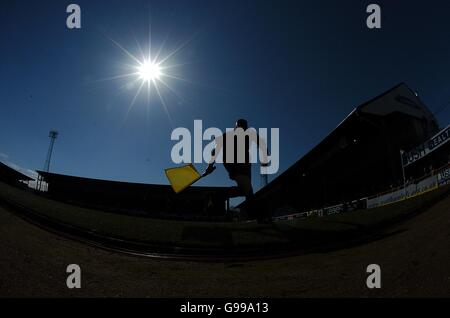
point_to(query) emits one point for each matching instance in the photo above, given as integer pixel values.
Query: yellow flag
(182, 177)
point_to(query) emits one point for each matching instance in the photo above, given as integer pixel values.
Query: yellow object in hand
(182, 177)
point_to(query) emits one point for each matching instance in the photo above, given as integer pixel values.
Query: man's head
(241, 123)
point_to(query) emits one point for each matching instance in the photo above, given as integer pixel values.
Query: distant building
(360, 157)
(13, 177)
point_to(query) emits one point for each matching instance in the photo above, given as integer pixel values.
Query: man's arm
(214, 153)
(210, 168)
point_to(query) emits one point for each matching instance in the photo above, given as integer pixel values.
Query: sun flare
(149, 71)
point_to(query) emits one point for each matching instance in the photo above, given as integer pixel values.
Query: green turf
(211, 235)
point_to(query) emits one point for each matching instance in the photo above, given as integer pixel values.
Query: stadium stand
(359, 158)
(136, 198)
(13, 177)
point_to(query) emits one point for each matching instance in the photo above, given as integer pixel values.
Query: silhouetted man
(235, 146)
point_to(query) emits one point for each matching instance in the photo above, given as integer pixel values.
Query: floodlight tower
(52, 135)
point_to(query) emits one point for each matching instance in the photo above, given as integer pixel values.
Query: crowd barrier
(438, 178)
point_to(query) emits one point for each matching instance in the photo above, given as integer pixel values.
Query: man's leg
(244, 184)
(260, 213)
(244, 188)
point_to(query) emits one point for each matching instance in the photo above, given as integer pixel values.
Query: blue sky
(301, 66)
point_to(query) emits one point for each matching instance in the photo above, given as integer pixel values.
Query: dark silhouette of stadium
(138, 198)
(11, 176)
(360, 157)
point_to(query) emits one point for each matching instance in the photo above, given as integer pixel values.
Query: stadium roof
(10, 173)
(400, 99)
(139, 199)
(48, 177)
(403, 100)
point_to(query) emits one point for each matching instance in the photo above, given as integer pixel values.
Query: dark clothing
(244, 187)
(241, 172)
(235, 168)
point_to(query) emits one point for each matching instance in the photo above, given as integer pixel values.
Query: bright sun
(149, 71)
